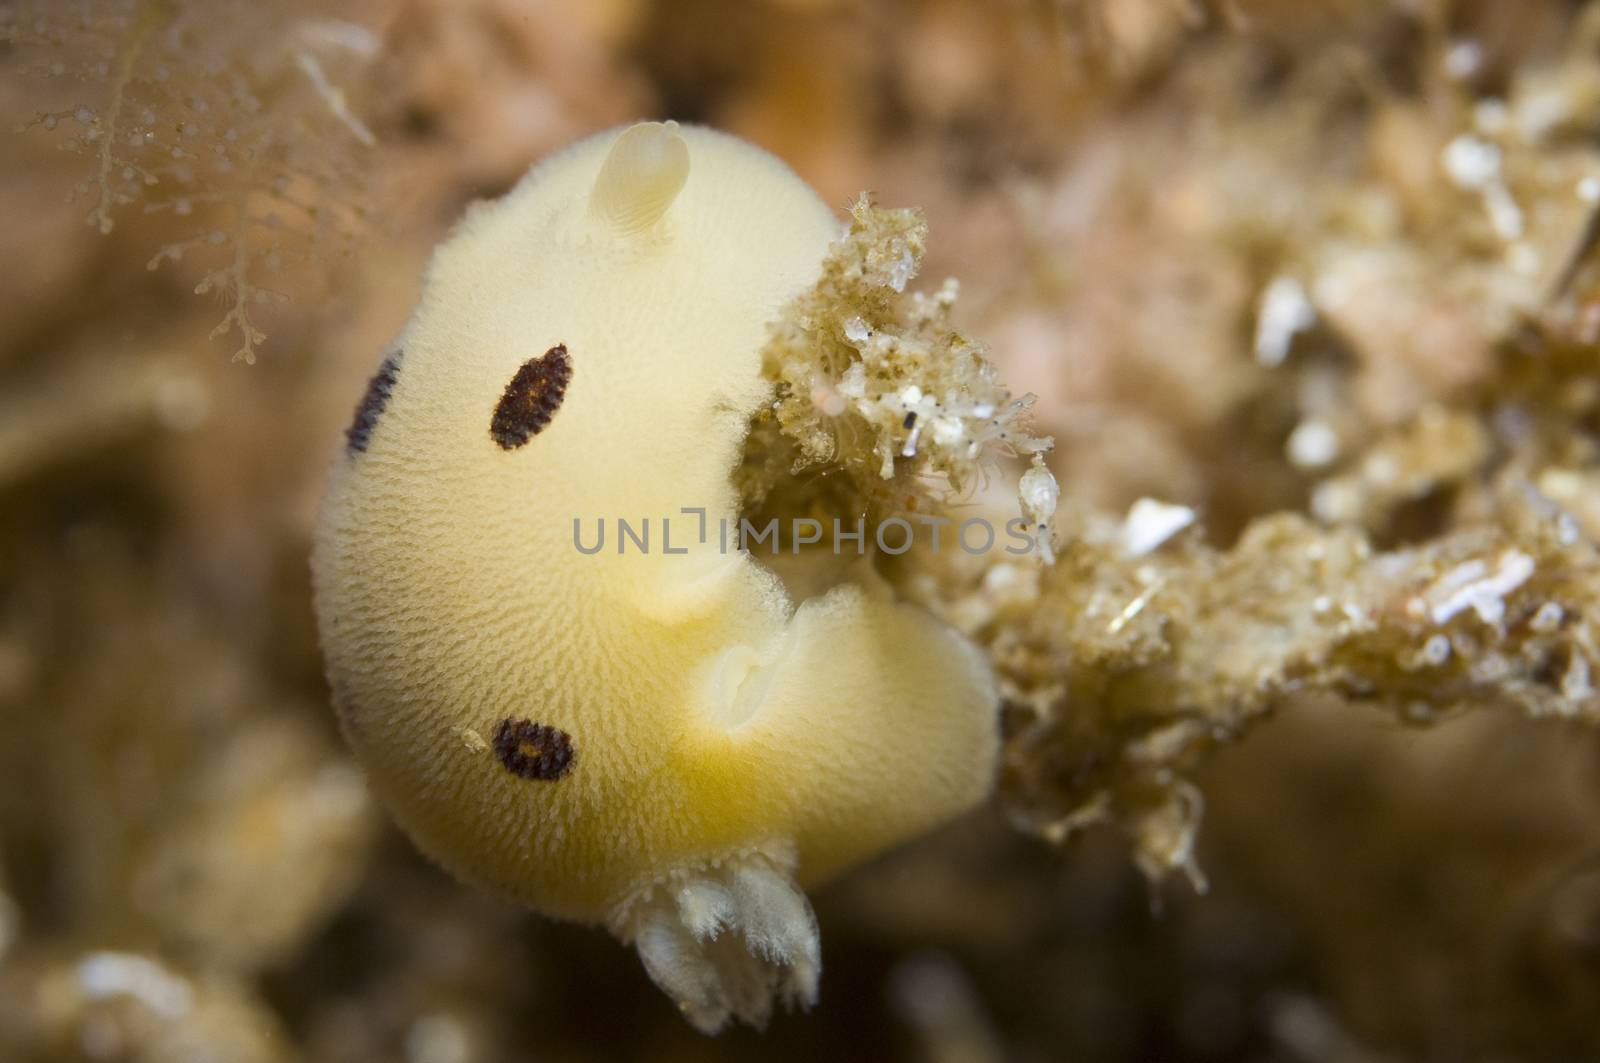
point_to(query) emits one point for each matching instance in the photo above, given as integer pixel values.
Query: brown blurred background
(191, 867)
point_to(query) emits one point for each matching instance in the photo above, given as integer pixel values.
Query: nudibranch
(669, 743)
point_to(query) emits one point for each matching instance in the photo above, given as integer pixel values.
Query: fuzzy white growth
(114, 974)
(1473, 586)
(725, 941)
(1151, 523)
(642, 175)
(1286, 311)
(1313, 445)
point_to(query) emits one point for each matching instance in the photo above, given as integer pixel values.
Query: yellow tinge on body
(667, 744)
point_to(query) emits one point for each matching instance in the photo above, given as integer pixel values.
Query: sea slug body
(668, 745)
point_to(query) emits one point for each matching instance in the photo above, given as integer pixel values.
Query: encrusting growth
(874, 383)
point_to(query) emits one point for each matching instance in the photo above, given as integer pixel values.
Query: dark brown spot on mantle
(533, 750)
(532, 398)
(372, 404)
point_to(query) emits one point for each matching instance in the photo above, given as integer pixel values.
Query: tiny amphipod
(671, 745)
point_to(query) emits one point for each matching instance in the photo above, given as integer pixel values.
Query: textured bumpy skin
(603, 736)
